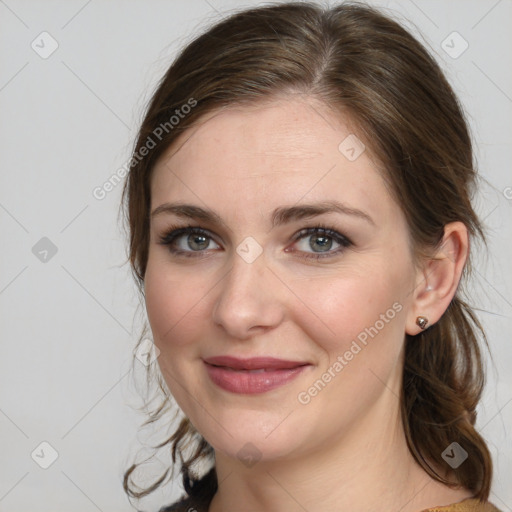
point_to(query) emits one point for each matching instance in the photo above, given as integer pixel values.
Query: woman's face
(249, 285)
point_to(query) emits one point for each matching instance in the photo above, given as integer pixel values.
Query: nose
(249, 299)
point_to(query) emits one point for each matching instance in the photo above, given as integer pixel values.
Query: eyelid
(322, 228)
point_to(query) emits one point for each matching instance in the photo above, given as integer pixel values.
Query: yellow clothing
(467, 505)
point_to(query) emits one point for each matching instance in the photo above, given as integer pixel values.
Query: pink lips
(250, 376)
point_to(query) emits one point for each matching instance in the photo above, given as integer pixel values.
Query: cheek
(362, 308)
(172, 305)
(367, 317)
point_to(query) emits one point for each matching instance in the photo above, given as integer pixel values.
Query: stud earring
(422, 322)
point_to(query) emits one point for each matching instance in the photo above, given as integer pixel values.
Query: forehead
(276, 152)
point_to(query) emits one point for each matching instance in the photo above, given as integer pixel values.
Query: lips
(254, 364)
(252, 376)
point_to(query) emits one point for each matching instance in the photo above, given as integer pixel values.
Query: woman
(300, 222)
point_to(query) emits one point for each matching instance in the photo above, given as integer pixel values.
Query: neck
(368, 469)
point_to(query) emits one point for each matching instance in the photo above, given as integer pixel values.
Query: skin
(326, 454)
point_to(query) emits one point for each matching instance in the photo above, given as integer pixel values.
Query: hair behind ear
(442, 384)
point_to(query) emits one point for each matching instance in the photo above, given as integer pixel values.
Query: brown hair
(358, 61)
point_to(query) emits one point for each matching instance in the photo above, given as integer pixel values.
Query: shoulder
(467, 505)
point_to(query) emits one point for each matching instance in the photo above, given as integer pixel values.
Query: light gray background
(68, 325)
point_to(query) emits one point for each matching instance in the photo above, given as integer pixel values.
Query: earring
(422, 322)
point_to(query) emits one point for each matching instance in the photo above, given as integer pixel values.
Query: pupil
(193, 240)
(326, 245)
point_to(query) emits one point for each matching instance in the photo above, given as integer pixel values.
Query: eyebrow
(282, 215)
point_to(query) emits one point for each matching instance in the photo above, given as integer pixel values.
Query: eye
(193, 241)
(320, 239)
(197, 239)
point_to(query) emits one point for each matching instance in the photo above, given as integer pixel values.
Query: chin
(251, 434)
(250, 449)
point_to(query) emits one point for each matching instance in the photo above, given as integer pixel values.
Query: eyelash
(174, 232)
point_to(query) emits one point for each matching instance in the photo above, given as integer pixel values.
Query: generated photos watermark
(305, 397)
(151, 142)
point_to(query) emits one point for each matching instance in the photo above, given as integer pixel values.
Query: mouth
(254, 364)
(252, 376)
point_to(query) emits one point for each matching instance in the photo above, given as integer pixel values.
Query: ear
(437, 281)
